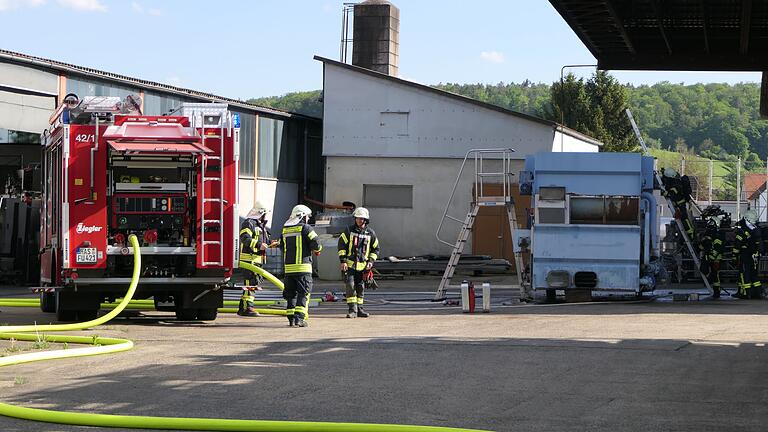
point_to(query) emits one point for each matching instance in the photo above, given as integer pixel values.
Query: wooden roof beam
(620, 26)
(746, 23)
(660, 24)
(705, 24)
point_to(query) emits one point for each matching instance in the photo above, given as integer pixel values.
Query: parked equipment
(110, 172)
(593, 224)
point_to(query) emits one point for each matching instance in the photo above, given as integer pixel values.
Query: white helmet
(258, 210)
(301, 211)
(669, 172)
(750, 216)
(361, 212)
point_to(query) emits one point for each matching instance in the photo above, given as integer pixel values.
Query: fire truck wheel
(87, 315)
(47, 302)
(183, 314)
(66, 315)
(551, 296)
(207, 314)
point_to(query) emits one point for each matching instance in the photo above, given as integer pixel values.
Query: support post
(711, 170)
(738, 189)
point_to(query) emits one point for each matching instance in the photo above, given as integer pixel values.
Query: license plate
(86, 256)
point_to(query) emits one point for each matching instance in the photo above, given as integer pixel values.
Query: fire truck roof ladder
(204, 223)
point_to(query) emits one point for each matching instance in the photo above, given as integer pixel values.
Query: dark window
(388, 196)
(8, 136)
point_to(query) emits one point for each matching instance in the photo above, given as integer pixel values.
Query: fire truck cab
(171, 180)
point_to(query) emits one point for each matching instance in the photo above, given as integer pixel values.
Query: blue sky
(246, 49)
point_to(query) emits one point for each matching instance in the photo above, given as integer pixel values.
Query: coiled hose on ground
(103, 345)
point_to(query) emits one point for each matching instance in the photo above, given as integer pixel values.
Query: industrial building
(280, 152)
(396, 146)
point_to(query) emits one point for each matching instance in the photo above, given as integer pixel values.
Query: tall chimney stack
(376, 36)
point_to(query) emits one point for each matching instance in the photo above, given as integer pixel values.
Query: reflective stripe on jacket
(298, 242)
(358, 246)
(252, 235)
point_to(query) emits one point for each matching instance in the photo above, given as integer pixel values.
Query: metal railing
(480, 156)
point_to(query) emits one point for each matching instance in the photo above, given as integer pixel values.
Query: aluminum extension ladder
(671, 208)
(505, 175)
(213, 174)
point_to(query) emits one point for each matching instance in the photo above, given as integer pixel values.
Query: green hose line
(261, 311)
(210, 424)
(98, 321)
(265, 274)
(105, 345)
(146, 307)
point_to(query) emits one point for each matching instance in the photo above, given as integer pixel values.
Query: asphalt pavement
(639, 366)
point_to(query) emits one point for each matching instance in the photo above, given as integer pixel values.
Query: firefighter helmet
(668, 172)
(301, 211)
(361, 212)
(258, 210)
(750, 216)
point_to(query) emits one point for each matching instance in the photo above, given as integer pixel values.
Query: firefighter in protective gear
(298, 242)
(254, 241)
(677, 190)
(358, 250)
(746, 252)
(712, 245)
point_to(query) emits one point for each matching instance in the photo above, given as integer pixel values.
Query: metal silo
(376, 36)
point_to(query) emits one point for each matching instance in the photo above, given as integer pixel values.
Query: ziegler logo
(87, 229)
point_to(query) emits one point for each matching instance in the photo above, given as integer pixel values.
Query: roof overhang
(691, 35)
(674, 35)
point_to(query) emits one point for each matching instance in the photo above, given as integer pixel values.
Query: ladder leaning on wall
(502, 160)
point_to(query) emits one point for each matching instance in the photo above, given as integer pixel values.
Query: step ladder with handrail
(503, 176)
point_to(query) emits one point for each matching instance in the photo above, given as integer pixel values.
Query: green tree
(595, 108)
(570, 104)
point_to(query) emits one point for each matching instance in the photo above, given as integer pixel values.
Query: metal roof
(43, 63)
(461, 98)
(707, 35)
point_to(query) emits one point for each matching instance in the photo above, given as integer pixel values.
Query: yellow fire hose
(103, 345)
(263, 273)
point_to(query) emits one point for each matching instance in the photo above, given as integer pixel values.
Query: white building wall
(407, 231)
(279, 197)
(381, 131)
(570, 144)
(24, 112)
(373, 116)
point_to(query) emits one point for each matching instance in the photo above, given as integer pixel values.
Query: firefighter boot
(291, 320)
(361, 313)
(352, 310)
(251, 312)
(300, 322)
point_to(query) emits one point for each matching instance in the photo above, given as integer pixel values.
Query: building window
(159, 104)
(605, 210)
(82, 88)
(8, 136)
(279, 142)
(247, 144)
(388, 196)
(393, 124)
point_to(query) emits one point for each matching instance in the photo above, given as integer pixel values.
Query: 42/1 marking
(85, 138)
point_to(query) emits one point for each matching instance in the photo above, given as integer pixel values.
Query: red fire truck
(109, 172)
